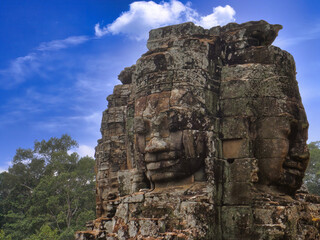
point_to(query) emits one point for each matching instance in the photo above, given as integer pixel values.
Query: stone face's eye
(139, 126)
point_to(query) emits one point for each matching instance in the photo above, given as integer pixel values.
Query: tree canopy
(47, 192)
(312, 178)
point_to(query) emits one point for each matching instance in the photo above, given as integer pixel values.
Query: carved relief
(206, 137)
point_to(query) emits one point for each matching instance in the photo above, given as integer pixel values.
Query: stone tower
(205, 139)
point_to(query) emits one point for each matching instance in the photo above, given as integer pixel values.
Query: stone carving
(169, 137)
(205, 139)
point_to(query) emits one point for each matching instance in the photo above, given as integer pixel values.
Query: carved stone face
(281, 149)
(169, 133)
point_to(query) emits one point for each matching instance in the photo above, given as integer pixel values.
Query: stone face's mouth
(152, 166)
(296, 164)
(162, 160)
(295, 172)
(293, 165)
(162, 156)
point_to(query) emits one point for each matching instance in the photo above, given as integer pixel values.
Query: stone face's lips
(162, 164)
(295, 172)
(293, 165)
(296, 165)
(163, 156)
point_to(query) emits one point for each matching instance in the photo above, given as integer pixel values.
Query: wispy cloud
(4, 166)
(25, 67)
(19, 69)
(29, 103)
(135, 23)
(89, 122)
(92, 120)
(61, 44)
(305, 35)
(144, 16)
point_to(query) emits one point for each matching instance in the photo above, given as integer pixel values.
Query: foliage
(3, 236)
(312, 178)
(45, 232)
(47, 191)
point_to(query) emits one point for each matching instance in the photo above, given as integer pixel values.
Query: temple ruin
(205, 139)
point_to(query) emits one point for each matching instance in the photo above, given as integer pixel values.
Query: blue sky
(60, 59)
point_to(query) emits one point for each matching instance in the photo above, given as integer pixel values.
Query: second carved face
(281, 149)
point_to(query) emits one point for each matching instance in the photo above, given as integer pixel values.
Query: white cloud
(220, 16)
(135, 23)
(84, 150)
(61, 44)
(144, 16)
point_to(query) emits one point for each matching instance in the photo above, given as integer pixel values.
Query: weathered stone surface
(126, 75)
(205, 139)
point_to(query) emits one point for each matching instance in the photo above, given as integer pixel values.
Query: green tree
(45, 233)
(47, 186)
(312, 178)
(3, 236)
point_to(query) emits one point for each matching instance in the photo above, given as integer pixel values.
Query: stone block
(161, 36)
(135, 198)
(149, 228)
(266, 127)
(236, 222)
(237, 107)
(235, 127)
(125, 181)
(133, 229)
(242, 170)
(237, 193)
(247, 72)
(191, 77)
(122, 211)
(237, 148)
(271, 148)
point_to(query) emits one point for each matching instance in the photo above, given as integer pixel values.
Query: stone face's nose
(156, 144)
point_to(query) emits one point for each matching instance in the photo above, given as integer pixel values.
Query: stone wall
(205, 139)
